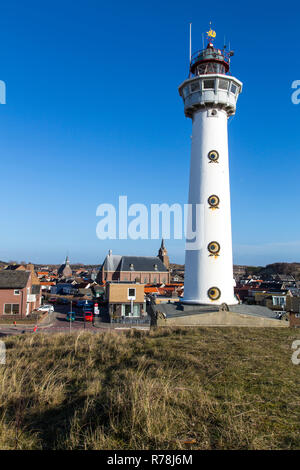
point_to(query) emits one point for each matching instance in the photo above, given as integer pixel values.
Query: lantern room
(210, 60)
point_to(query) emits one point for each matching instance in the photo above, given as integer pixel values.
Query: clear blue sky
(93, 112)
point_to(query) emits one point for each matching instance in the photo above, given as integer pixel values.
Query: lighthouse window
(185, 91)
(233, 88)
(207, 84)
(223, 84)
(195, 86)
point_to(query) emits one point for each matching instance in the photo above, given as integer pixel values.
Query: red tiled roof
(150, 290)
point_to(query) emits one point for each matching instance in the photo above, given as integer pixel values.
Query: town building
(163, 254)
(65, 271)
(125, 301)
(284, 278)
(63, 288)
(15, 267)
(293, 311)
(19, 296)
(142, 269)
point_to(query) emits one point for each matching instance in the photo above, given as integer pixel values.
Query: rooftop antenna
(190, 53)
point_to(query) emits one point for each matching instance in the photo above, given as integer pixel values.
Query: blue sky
(93, 112)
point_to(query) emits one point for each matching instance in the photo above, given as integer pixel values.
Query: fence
(145, 320)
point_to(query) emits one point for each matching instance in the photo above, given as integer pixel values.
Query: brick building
(65, 270)
(163, 254)
(142, 269)
(293, 310)
(19, 296)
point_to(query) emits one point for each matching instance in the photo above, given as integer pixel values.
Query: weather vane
(211, 34)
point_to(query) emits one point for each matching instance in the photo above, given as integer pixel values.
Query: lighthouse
(209, 95)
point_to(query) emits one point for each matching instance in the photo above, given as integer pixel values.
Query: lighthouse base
(179, 314)
(232, 301)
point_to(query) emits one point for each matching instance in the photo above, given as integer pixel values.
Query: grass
(26, 320)
(198, 388)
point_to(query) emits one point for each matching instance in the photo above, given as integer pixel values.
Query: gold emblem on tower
(214, 249)
(213, 202)
(213, 156)
(214, 293)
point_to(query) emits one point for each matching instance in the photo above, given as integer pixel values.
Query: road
(55, 323)
(60, 324)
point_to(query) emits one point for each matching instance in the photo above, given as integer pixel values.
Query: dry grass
(230, 388)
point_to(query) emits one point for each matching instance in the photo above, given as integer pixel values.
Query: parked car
(89, 305)
(85, 304)
(46, 308)
(52, 300)
(62, 301)
(88, 316)
(71, 316)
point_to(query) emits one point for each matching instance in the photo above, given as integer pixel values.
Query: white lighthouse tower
(210, 95)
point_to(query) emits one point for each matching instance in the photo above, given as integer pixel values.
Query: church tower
(163, 254)
(65, 269)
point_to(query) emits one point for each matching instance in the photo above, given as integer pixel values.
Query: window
(131, 293)
(145, 280)
(233, 88)
(131, 310)
(195, 86)
(127, 310)
(223, 84)
(16, 292)
(208, 84)
(11, 309)
(278, 300)
(185, 91)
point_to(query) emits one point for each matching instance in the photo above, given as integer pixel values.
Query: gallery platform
(180, 314)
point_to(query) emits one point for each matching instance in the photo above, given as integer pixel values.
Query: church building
(65, 270)
(142, 269)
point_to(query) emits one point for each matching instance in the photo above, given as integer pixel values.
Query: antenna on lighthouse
(190, 54)
(190, 51)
